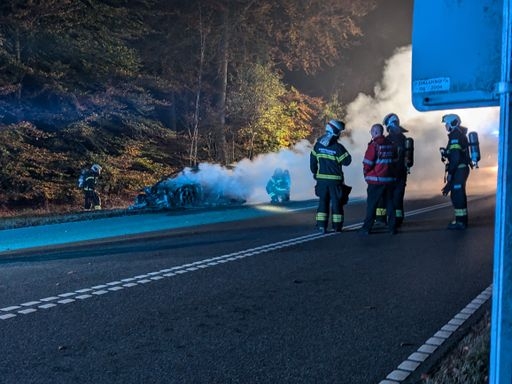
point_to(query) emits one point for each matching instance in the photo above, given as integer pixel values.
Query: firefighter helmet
(335, 127)
(391, 119)
(392, 123)
(451, 121)
(96, 168)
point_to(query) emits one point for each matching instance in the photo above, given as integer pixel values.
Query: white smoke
(248, 178)
(393, 94)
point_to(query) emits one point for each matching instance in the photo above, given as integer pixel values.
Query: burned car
(186, 190)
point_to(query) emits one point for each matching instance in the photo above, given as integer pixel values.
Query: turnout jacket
(90, 181)
(457, 150)
(398, 138)
(379, 161)
(326, 161)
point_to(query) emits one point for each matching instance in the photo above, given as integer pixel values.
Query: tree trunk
(17, 45)
(18, 60)
(174, 125)
(194, 135)
(222, 154)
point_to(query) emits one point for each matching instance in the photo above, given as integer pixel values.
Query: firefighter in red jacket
(379, 173)
(456, 155)
(326, 161)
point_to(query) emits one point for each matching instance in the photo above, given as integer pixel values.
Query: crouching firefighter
(278, 187)
(90, 179)
(457, 162)
(326, 161)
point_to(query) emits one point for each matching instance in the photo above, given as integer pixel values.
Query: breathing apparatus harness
(474, 158)
(392, 123)
(409, 153)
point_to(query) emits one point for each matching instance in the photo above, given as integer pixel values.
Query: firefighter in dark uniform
(278, 187)
(326, 161)
(456, 156)
(379, 173)
(91, 198)
(396, 135)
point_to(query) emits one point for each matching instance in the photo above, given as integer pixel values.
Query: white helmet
(392, 123)
(451, 121)
(391, 119)
(96, 168)
(335, 127)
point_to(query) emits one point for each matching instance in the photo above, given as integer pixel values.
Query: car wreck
(186, 190)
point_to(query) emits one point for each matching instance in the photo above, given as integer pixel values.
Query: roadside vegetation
(468, 362)
(148, 87)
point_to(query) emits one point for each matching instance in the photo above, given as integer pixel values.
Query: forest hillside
(148, 87)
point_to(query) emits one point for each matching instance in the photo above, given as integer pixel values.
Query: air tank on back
(409, 153)
(474, 148)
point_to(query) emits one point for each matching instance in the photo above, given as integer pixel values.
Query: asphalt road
(259, 300)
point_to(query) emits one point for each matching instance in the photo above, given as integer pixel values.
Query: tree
(265, 115)
(281, 32)
(311, 34)
(59, 51)
(102, 74)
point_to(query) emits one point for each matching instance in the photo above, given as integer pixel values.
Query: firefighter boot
(457, 225)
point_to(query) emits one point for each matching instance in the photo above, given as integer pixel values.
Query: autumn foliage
(145, 88)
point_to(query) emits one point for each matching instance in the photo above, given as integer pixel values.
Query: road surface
(252, 295)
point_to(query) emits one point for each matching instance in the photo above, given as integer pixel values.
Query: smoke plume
(393, 94)
(248, 178)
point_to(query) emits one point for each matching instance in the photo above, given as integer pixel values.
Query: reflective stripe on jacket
(90, 181)
(457, 150)
(326, 161)
(379, 161)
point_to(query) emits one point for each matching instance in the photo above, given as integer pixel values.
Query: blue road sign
(456, 53)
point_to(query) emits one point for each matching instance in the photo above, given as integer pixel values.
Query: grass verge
(468, 362)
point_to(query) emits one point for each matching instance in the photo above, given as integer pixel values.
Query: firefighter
(457, 162)
(326, 161)
(91, 198)
(379, 174)
(278, 187)
(395, 133)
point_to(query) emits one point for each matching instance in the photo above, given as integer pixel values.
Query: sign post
(501, 318)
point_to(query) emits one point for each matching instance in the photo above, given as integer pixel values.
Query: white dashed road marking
(395, 377)
(50, 298)
(11, 308)
(46, 306)
(114, 286)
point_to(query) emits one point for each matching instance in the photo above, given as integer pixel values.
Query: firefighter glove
(446, 189)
